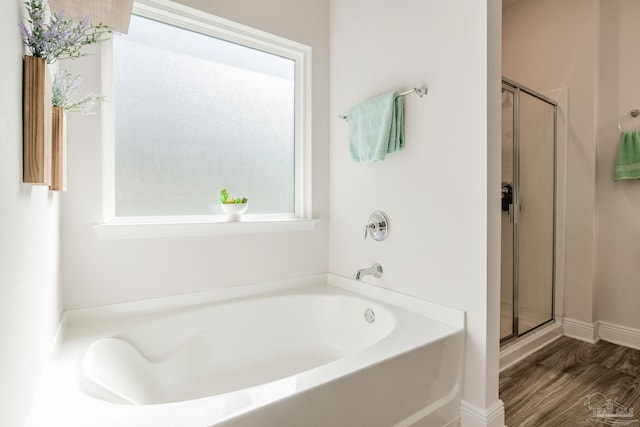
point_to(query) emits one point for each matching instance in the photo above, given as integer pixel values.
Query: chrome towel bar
(421, 91)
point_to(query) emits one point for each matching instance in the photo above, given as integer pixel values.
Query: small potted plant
(233, 207)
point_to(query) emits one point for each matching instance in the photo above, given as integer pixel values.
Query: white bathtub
(323, 351)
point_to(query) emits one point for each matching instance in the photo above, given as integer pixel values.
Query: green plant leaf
(225, 199)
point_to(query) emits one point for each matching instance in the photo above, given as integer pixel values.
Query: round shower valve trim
(377, 227)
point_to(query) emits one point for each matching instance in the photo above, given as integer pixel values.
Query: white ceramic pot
(234, 210)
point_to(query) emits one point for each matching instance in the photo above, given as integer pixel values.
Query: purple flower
(63, 91)
(58, 38)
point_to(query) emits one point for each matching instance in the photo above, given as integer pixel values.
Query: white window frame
(171, 13)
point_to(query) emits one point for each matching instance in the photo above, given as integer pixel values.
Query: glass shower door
(528, 210)
(507, 318)
(536, 184)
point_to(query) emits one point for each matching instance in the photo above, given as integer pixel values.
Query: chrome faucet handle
(368, 227)
(377, 227)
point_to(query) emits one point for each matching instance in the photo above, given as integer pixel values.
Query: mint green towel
(628, 162)
(376, 127)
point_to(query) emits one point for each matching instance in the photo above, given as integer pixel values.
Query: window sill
(150, 230)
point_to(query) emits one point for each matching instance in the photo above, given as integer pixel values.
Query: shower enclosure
(528, 210)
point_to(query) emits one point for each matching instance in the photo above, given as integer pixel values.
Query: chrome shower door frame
(516, 89)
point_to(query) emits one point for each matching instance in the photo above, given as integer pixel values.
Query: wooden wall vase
(36, 104)
(58, 150)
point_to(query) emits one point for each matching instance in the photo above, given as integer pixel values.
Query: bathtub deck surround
(248, 355)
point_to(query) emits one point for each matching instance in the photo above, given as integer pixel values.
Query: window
(201, 104)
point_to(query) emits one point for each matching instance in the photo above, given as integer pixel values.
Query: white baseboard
(610, 332)
(572, 328)
(474, 416)
(580, 330)
(622, 335)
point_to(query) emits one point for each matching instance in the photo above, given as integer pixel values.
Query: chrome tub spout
(375, 270)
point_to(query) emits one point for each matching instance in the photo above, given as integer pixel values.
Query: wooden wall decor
(59, 150)
(36, 104)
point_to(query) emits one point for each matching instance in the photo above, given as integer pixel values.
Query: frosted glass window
(194, 114)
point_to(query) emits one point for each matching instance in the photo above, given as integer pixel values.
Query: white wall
(29, 255)
(444, 241)
(550, 44)
(618, 275)
(102, 272)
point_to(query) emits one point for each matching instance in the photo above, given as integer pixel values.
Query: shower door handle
(514, 213)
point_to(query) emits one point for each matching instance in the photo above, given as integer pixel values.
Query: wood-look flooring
(550, 387)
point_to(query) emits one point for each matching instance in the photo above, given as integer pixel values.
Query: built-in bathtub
(322, 351)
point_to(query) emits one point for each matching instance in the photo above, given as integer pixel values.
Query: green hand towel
(628, 162)
(376, 127)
